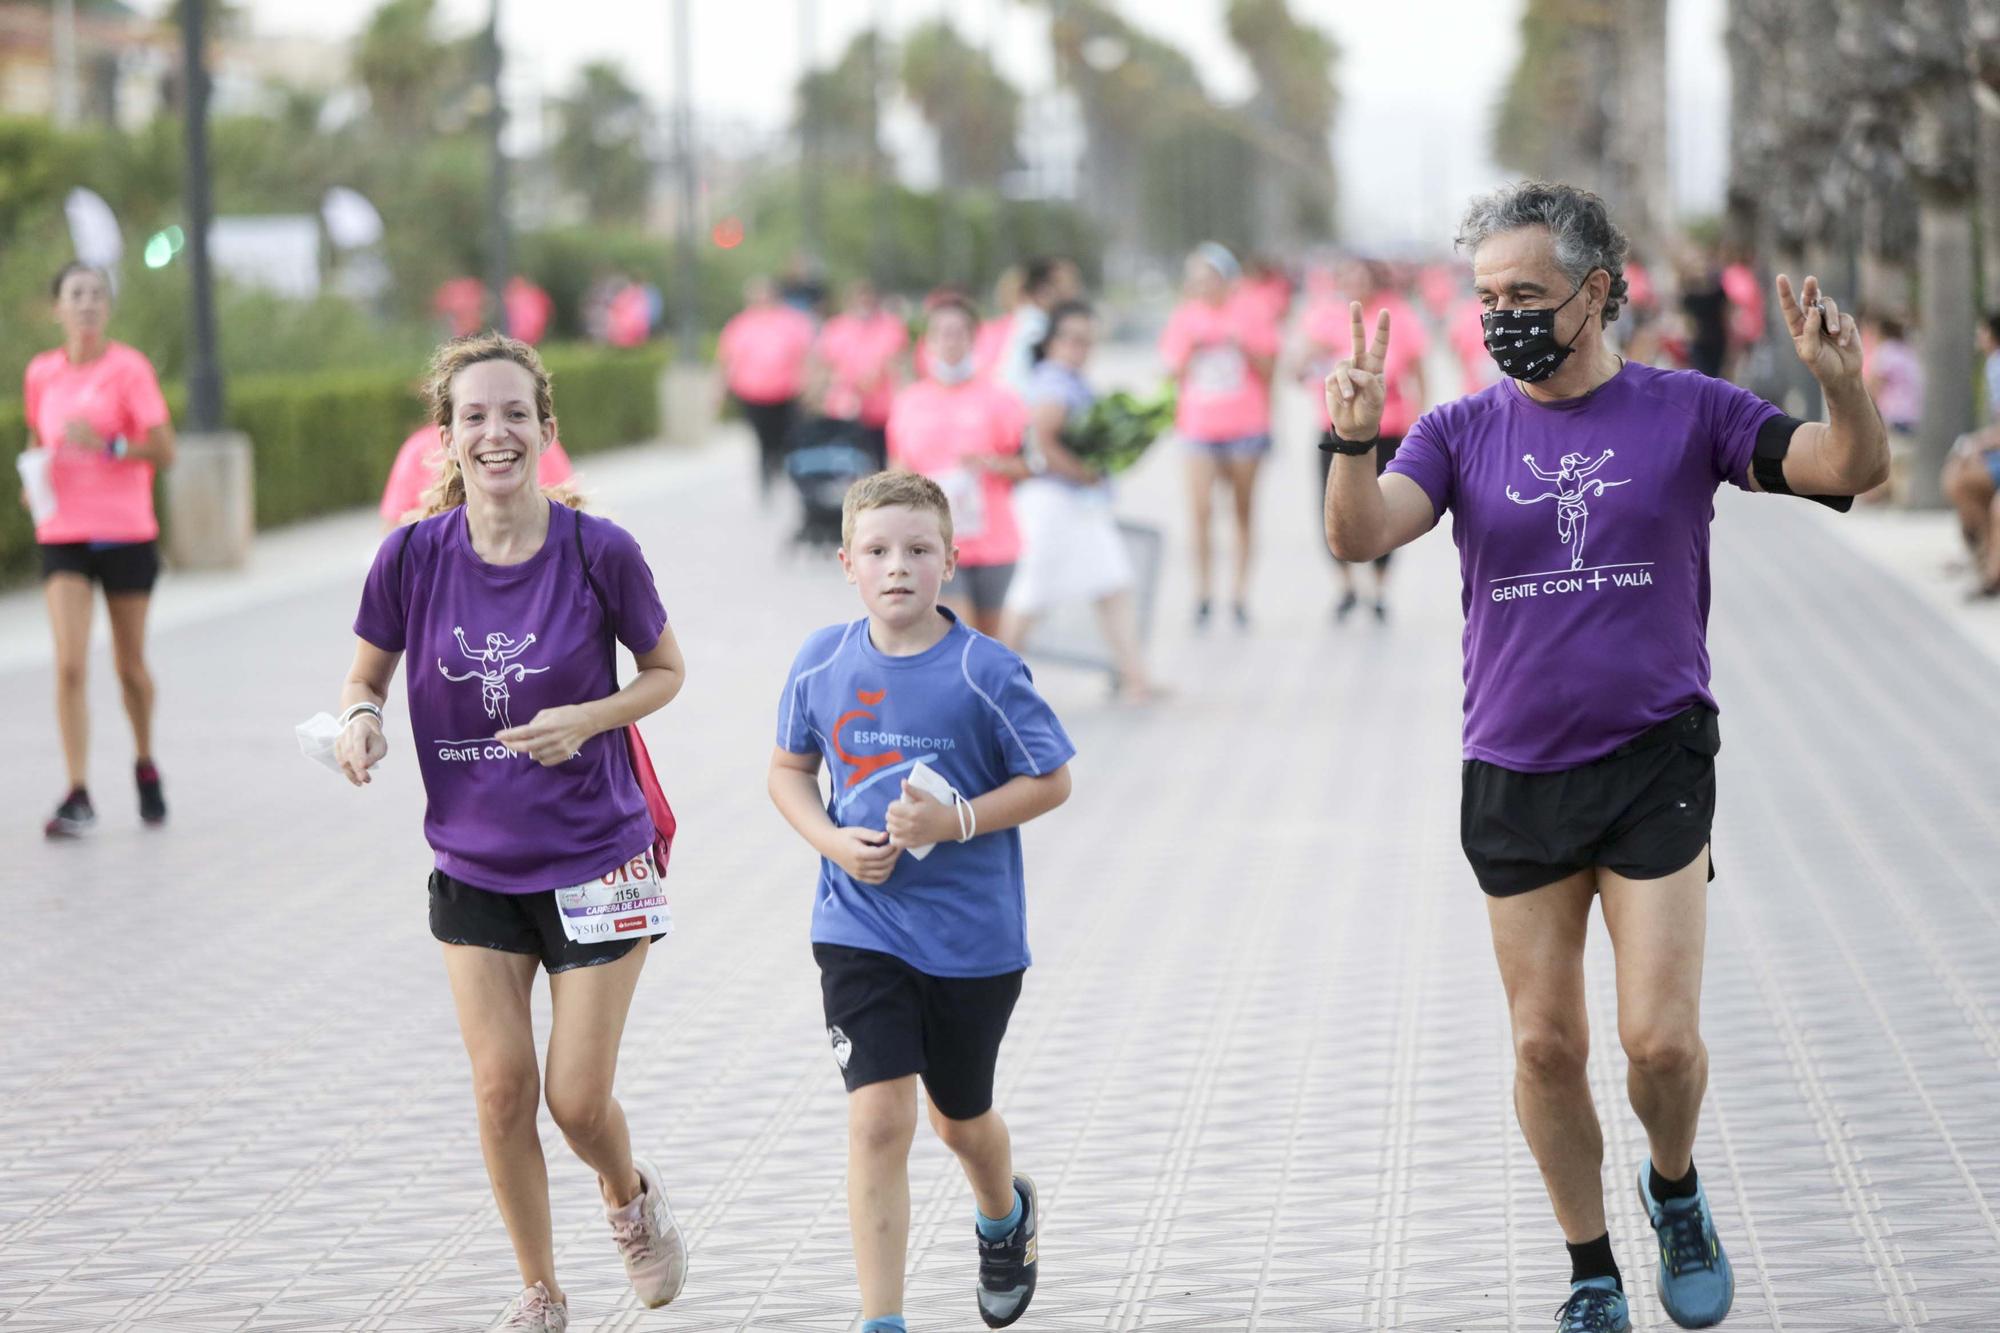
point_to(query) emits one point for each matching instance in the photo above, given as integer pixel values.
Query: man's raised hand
(1355, 388)
(1826, 340)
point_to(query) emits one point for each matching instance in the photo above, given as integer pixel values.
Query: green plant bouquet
(1119, 428)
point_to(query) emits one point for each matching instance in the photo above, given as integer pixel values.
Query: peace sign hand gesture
(1826, 340)
(1355, 388)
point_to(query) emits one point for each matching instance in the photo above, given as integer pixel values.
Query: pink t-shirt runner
(1328, 327)
(1208, 348)
(989, 345)
(763, 352)
(938, 430)
(417, 464)
(861, 353)
(98, 498)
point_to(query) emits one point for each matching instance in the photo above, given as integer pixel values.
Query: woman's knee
(506, 1093)
(1550, 1051)
(72, 674)
(132, 673)
(580, 1111)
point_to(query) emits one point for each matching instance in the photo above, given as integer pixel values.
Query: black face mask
(1523, 342)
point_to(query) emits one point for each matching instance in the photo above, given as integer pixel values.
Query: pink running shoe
(649, 1240)
(534, 1311)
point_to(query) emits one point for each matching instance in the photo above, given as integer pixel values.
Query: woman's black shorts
(121, 567)
(514, 923)
(887, 1020)
(1643, 811)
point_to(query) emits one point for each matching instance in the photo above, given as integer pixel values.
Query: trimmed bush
(324, 441)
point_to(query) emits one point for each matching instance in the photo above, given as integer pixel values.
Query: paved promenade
(1260, 1070)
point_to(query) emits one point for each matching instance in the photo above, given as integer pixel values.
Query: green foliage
(323, 440)
(1199, 184)
(1549, 118)
(970, 104)
(1120, 427)
(838, 104)
(600, 153)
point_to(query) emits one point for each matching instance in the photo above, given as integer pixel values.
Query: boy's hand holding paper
(924, 816)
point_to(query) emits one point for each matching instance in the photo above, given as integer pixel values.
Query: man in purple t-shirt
(1581, 490)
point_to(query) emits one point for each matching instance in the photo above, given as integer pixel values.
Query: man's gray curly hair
(1585, 237)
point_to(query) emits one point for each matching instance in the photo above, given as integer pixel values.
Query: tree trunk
(1945, 260)
(1638, 138)
(1989, 195)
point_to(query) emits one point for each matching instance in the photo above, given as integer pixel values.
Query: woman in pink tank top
(97, 430)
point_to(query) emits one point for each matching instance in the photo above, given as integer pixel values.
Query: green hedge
(324, 441)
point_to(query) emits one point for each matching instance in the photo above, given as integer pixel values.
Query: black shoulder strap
(603, 603)
(402, 545)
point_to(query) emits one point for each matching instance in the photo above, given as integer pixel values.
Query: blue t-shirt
(968, 707)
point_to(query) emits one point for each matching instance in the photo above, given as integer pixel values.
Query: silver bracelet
(355, 710)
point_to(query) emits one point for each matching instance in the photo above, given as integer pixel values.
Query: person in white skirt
(1071, 550)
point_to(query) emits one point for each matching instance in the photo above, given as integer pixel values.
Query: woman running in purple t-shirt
(508, 604)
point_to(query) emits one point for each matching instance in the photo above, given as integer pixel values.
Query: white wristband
(355, 710)
(963, 809)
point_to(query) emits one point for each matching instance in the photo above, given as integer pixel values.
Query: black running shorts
(1643, 811)
(514, 923)
(887, 1020)
(122, 568)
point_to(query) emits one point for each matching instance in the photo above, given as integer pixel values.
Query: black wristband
(1333, 444)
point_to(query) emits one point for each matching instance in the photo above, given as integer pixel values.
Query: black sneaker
(1344, 608)
(1201, 609)
(73, 818)
(1241, 614)
(152, 805)
(1381, 612)
(1007, 1265)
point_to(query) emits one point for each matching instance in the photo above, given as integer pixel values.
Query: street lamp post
(204, 370)
(810, 174)
(687, 326)
(498, 262)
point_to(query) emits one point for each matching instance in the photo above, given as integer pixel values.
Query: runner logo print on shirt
(493, 667)
(1575, 484)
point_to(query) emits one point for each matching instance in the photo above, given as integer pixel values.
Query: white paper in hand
(33, 465)
(932, 783)
(316, 737)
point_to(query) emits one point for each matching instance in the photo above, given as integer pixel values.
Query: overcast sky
(1417, 81)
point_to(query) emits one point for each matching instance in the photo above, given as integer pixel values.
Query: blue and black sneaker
(1595, 1305)
(1696, 1282)
(1007, 1265)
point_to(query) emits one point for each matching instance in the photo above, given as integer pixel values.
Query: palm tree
(398, 59)
(1295, 103)
(600, 152)
(1983, 41)
(968, 102)
(839, 102)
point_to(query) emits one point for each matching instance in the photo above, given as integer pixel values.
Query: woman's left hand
(553, 736)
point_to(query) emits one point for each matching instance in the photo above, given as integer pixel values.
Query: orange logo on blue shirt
(863, 764)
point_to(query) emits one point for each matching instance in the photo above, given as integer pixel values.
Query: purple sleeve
(637, 617)
(1423, 459)
(383, 613)
(1732, 417)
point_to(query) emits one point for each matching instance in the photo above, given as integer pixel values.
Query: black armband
(1333, 444)
(1767, 462)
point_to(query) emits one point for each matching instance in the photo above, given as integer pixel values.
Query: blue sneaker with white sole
(1696, 1283)
(1595, 1305)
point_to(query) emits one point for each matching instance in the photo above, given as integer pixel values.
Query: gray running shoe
(1007, 1265)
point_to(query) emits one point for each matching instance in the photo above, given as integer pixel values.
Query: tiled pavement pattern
(1261, 1067)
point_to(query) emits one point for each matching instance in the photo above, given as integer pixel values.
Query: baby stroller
(824, 461)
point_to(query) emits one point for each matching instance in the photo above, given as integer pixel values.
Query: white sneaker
(534, 1311)
(649, 1240)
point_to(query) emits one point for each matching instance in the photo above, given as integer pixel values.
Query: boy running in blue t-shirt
(919, 922)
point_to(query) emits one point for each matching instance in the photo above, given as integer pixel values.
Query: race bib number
(630, 901)
(965, 491)
(1217, 370)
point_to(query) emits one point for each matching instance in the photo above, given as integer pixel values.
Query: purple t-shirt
(488, 647)
(1582, 531)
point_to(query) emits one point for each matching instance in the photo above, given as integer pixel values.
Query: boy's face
(899, 561)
